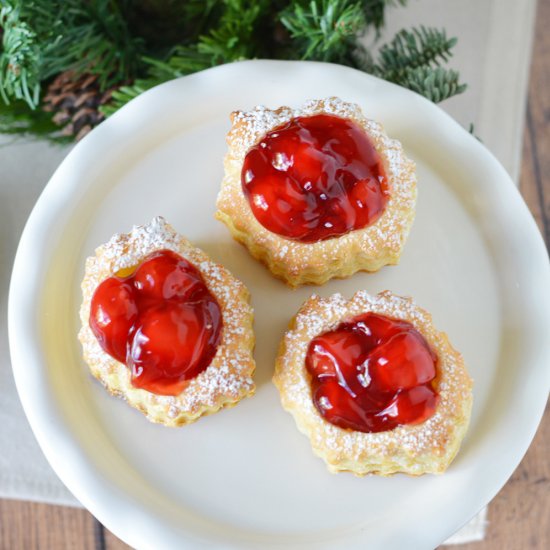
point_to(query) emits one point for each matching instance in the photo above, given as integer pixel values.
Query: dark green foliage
(133, 45)
(45, 37)
(181, 62)
(20, 58)
(163, 23)
(234, 37)
(324, 30)
(18, 118)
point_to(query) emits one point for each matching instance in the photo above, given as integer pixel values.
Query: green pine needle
(234, 37)
(181, 62)
(20, 59)
(413, 58)
(412, 49)
(324, 30)
(434, 84)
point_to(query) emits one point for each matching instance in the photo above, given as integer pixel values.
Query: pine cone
(75, 101)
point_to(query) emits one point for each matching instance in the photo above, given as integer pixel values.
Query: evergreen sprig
(181, 62)
(423, 47)
(324, 30)
(20, 59)
(42, 39)
(413, 58)
(234, 37)
(133, 45)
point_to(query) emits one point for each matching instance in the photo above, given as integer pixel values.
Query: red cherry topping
(401, 363)
(315, 178)
(162, 321)
(112, 315)
(167, 277)
(372, 374)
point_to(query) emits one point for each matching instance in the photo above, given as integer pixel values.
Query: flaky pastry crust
(225, 381)
(297, 263)
(428, 447)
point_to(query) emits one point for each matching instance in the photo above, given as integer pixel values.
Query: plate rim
(18, 322)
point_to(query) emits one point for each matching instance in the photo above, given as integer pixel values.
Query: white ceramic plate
(245, 477)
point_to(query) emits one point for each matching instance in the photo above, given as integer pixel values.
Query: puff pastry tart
(316, 192)
(166, 328)
(374, 385)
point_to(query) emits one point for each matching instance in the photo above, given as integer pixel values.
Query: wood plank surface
(519, 517)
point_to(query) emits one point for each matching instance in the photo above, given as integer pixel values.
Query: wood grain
(519, 517)
(536, 159)
(41, 526)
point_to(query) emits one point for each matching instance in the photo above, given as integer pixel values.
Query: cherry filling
(162, 321)
(315, 178)
(372, 374)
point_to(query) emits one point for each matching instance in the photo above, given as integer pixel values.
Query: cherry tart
(166, 328)
(316, 192)
(373, 384)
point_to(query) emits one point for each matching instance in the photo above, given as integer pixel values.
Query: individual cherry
(412, 406)
(378, 327)
(339, 355)
(359, 413)
(402, 362)
(112, 314)
(171, 344)
(167, 276)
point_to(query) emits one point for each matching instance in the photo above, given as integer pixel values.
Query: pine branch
(20, 59)
(60, 35)
(413, 58)
(181, 62)
(412, 49)
(234, 37)
(87, 36)
(324, 30)
(231, 40)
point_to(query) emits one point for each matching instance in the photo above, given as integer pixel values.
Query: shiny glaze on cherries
(162, 321)
(315, 178)
(372, 374)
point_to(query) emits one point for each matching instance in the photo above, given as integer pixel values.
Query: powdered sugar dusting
(229, 376)
(437, 437)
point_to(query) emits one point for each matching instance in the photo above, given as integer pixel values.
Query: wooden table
(519, 517)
